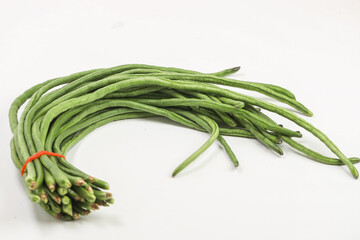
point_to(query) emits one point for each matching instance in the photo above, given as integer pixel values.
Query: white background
(311, 47)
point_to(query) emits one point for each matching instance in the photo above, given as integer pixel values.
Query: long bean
(58, 113)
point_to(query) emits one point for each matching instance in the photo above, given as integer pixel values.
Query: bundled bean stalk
(62, 111)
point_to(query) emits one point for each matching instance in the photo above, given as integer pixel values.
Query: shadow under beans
(97, 219)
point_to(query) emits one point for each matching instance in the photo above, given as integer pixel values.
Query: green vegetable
(60, 112)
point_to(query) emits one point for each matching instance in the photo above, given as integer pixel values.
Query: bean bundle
(61, 111)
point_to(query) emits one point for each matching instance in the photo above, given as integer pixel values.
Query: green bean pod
(55, 115)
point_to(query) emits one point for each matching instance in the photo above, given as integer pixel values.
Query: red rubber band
(38, 154)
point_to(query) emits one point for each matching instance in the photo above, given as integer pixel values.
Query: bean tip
(80, 182)
(76, 216)
(35, 199)
(43, 197)
(51, 187)
(65, 184)
(91, 179)
(77, 198)
(58, 199)
(29, 179)
(235, 69)
(355, 173)
(33, 185)
(85, 212)
(94, 206)
(299, 134)
(89, 189)
(108, 195)
(354, 159)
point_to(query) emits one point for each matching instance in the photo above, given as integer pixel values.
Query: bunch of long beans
(62, 111)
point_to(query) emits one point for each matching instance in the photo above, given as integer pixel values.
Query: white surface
(310, 47)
